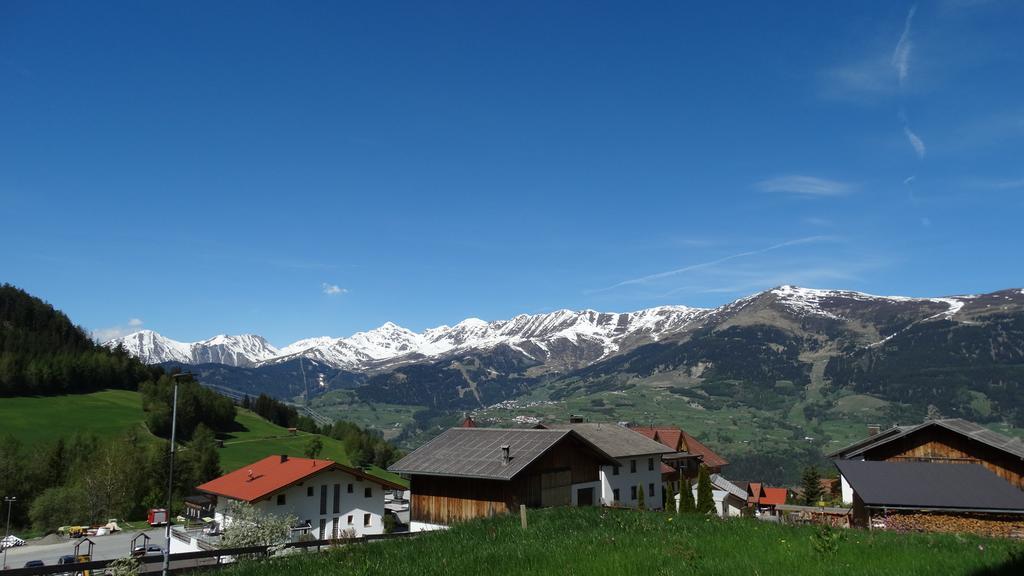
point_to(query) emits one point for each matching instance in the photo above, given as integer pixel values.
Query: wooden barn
(468, 473)
(946, 441)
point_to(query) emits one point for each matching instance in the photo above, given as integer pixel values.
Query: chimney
(250, 476)
(873, 429)
(574, 419)
(284, 458)
(505, 456)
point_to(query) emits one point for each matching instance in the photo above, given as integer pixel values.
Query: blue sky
(297, 169)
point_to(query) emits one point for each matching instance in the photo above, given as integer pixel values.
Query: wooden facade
(941, 445)
(545, 482)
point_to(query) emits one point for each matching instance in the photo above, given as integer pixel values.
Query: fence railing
(194, 560)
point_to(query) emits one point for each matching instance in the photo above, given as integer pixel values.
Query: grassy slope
(43, 419)
(107, 414)
(596, 541)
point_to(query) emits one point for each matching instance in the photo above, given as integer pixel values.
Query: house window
(650, 463)
(309, 491)
(632, 492)
(615, 470)
(335, 527)
(650, 490)
(366, 519)
(349, 488)
(368, 492)
(323, 528)
(615, 495)
(349, 519)
(323, 499)
(632, 466)
(280, 499)
(337, 498)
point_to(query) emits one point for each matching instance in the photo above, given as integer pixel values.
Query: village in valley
(406, 288)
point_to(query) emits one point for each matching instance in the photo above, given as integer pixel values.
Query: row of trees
(197, 405)
(279, 413)
(705, 503)
(82, 480)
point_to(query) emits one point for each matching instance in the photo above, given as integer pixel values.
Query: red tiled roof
(679, 440)
(754, 492)
(694, 446)
(773, 496)
(261, 479)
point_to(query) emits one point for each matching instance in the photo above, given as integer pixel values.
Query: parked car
(66, 559)
(34, 564)
(150, 550)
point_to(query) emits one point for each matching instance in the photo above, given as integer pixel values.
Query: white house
(333, 500)
(730, 499)
(639, 466)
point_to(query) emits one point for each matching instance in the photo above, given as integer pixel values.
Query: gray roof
(722, 484)
(971, 430)
(929, 485)
(615, 440)
(476, 452)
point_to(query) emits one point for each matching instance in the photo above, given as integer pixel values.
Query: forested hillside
(43, 352)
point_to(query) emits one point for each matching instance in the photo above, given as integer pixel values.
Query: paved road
(107, 548)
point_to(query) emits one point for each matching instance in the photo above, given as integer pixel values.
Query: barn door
(555, 488)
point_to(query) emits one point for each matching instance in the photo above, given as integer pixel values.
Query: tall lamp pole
(9, 500)
(170, 473)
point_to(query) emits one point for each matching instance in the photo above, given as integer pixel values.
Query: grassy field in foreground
(108, 414)
(594, 541)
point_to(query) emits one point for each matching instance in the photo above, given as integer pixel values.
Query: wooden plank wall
(940, 445)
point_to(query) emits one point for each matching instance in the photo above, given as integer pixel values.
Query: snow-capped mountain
(242, 350)
(564, 339)
(533, 335)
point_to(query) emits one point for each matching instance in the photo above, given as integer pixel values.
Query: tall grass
(620, 542)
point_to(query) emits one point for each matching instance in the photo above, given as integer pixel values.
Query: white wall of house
(647, 474)
(847, 490)
(314, 500)
(425, 527)
(595, 485)
(727, 505)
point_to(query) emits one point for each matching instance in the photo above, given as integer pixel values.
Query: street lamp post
(170, 474)
(9, 500)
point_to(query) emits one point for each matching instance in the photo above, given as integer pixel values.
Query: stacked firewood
(985, 525)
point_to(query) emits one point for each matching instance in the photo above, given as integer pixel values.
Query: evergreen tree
(203, 458)
(811, 482)
(686, 503)
(640, 497)
(705, 497)
(670, 500)
(314, 447)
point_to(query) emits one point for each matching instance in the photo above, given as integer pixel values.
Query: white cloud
(808, 186)
(915, 141)
(332, 289)
(901, 55)
(121, 330)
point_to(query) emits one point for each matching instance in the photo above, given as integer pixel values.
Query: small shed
(932, 497)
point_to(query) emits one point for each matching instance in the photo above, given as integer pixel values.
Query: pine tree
(640, 497)
(812, 486)
(671, 504)
(705, 498)
(686, 504)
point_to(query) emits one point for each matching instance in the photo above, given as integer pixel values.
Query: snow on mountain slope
(567, 336)
(242, 350)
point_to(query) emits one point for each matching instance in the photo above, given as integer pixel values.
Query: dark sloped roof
(971, 430)
(617, 441)
(476, 452)
(929, 485)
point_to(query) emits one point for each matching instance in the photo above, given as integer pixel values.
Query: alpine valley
(786, 364)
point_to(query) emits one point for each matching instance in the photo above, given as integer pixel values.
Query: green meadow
(110, 413)
(596, 541)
